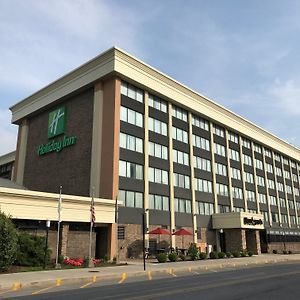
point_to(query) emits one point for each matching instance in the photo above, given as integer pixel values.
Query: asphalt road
(281, 281)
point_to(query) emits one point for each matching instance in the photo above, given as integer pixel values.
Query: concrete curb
(171, 269)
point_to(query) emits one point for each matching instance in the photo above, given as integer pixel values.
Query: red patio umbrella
(182, 232)
(159, 231)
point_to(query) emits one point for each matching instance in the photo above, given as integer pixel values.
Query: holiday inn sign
(56, 126)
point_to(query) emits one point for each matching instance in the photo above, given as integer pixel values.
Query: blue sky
(242, 54)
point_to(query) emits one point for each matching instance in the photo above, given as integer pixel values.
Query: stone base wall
(207, 236)
(235, 239)
(132, 245)
(77, 244)
(294, 247)
(253, 241)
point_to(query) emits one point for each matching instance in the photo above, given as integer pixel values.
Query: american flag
(92, 210)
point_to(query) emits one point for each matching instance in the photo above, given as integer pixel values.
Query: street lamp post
(46, 244)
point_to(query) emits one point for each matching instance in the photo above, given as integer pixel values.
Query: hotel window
(179, 113)
(205, 208)
(293, 220)
(222, 189)
(287, 174)
(258, 164)
(280, 187)
(131, 199)
(159, 202)
(130, 170)
(282, 202)
(158, 103)
(201, 142)
(266, 216)
(291, 204)
(285, 161)
(234, 155)
(218, 131)
(238, 209)
(233, 137)
(275, 217)
(203, 185)
(220, 150)
(252, 211)
(182, 205)
(273, 200)
(158, 176)
(180, 135)
(202, 164)
(182, 181)
(271, 184)
(237, 192)
(288, 189)
(296, 191)
(180, 157)
(277, 157)
(260, 181)
(268, 153)
(158, 126)
(247, 160)
(257, 148)
(201, 123)
(278, 171)
(295, 177)
(269, 168)
(223, 208)
(293, 164)
(250, 196)
(298, 206)
(235, 173)
(130, 142)
(132, 92)
(262, 198)
(221, 169)
(248, 177)
(246, 143)
(158, 150)
(132, 117)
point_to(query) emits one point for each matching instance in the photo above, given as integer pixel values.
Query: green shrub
(275, 251)
(60, 259)
(8, 242)
(236, 254)
(221, 254)
(244, 253)
(161, 257)
(250, 253)
(228, 254)
(31, 250)
(284, 252)
(193, 252)
(173, 257)
(213, 255)
(182, 257)
(290, 252)
(202, 255)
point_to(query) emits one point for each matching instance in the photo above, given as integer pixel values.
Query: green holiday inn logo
(56, 122)
(56, 126)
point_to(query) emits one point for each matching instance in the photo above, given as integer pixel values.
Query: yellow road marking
(123, 278)
(149, 275)
(58, 282)
(16, 286)
(171, 272)
(94, 278)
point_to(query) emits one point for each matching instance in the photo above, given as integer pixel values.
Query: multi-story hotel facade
(119, 129)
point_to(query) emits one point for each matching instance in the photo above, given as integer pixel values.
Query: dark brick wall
(70, 167)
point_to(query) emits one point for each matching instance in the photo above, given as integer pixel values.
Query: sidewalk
(134, 268)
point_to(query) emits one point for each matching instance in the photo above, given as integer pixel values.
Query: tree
(8, 242)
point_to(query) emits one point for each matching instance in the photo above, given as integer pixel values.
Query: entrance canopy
(238, 220)
(32, 205)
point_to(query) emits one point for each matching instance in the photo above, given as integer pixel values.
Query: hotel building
(121, 130)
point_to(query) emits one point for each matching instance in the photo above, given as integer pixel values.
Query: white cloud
(8, 133)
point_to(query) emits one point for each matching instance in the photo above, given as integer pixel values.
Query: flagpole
(58, 227)
(92, 216)
(117, 225)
